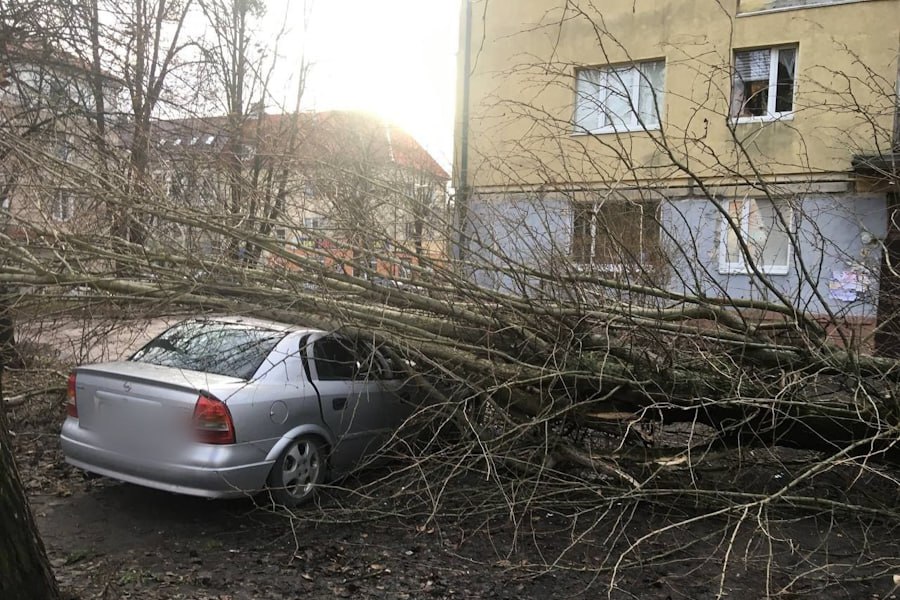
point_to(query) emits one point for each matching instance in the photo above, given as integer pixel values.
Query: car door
(351, 402)
(397, 399)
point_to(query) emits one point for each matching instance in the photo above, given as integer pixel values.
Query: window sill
(765, 119)
(768, 11)
(742, 270)
(607, 130)
(610, 269)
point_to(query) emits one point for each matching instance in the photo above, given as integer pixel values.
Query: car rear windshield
(232, 349)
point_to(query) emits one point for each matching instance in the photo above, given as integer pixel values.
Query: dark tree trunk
(887, 338)
(7, 341)
(25, 572)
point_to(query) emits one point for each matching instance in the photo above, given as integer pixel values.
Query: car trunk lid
(144, 406)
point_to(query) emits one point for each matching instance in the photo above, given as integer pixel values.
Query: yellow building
(708, 147)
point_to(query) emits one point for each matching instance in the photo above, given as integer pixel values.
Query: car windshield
(232, 349)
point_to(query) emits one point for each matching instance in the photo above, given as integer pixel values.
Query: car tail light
(71, 405)
(212, 421)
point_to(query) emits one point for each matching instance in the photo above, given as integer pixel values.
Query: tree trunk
(887, 337)
(24, 569)
(7, 341)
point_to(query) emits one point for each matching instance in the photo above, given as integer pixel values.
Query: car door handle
(339, 403)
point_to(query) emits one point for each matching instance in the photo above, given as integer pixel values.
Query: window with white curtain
(620, 98)
(763, 83)
(762, 233)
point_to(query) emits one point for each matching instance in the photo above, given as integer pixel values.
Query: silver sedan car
(225, 407)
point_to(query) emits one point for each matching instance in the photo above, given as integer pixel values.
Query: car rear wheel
(298, 472)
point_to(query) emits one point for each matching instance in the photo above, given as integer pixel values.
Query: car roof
(252, 321)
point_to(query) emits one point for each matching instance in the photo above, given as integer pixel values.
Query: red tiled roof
(330, 135)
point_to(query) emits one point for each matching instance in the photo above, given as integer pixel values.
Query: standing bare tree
(258, 155)
(141, 45)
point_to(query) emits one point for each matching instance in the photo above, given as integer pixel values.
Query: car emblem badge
(127, 386)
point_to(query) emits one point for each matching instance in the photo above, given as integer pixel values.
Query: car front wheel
(298, 472)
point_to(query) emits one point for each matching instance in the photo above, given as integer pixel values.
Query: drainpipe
(895, 141)
(462, 183)
(895, 137)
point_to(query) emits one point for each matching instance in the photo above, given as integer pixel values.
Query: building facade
(343, 188)
(49, 146)
(706, 148)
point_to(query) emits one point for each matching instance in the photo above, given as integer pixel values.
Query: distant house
(339, 187)
(702, 148)
(47, 99)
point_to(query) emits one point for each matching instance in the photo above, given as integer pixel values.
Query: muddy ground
(110, 540)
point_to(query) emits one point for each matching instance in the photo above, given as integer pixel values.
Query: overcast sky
(396, 58)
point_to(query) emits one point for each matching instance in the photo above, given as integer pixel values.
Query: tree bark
(25, 572)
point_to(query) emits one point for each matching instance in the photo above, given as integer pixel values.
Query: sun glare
(396, 58)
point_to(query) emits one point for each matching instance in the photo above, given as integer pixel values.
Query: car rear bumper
(211, 471)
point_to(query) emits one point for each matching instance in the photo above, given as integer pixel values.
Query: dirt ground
(110, 540)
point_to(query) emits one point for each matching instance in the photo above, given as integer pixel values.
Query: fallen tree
(538, 369)
(606, 366)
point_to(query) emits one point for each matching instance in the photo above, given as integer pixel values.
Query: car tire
(298, 472)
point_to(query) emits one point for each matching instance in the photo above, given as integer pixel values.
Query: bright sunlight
(396, 58)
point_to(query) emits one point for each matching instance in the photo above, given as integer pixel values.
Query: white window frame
(741, 267)
(60, 213)
(613, 268)
(771, 114)
(634, 99)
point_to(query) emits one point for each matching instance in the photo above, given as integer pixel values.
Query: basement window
(616, 236)
(764, 227)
